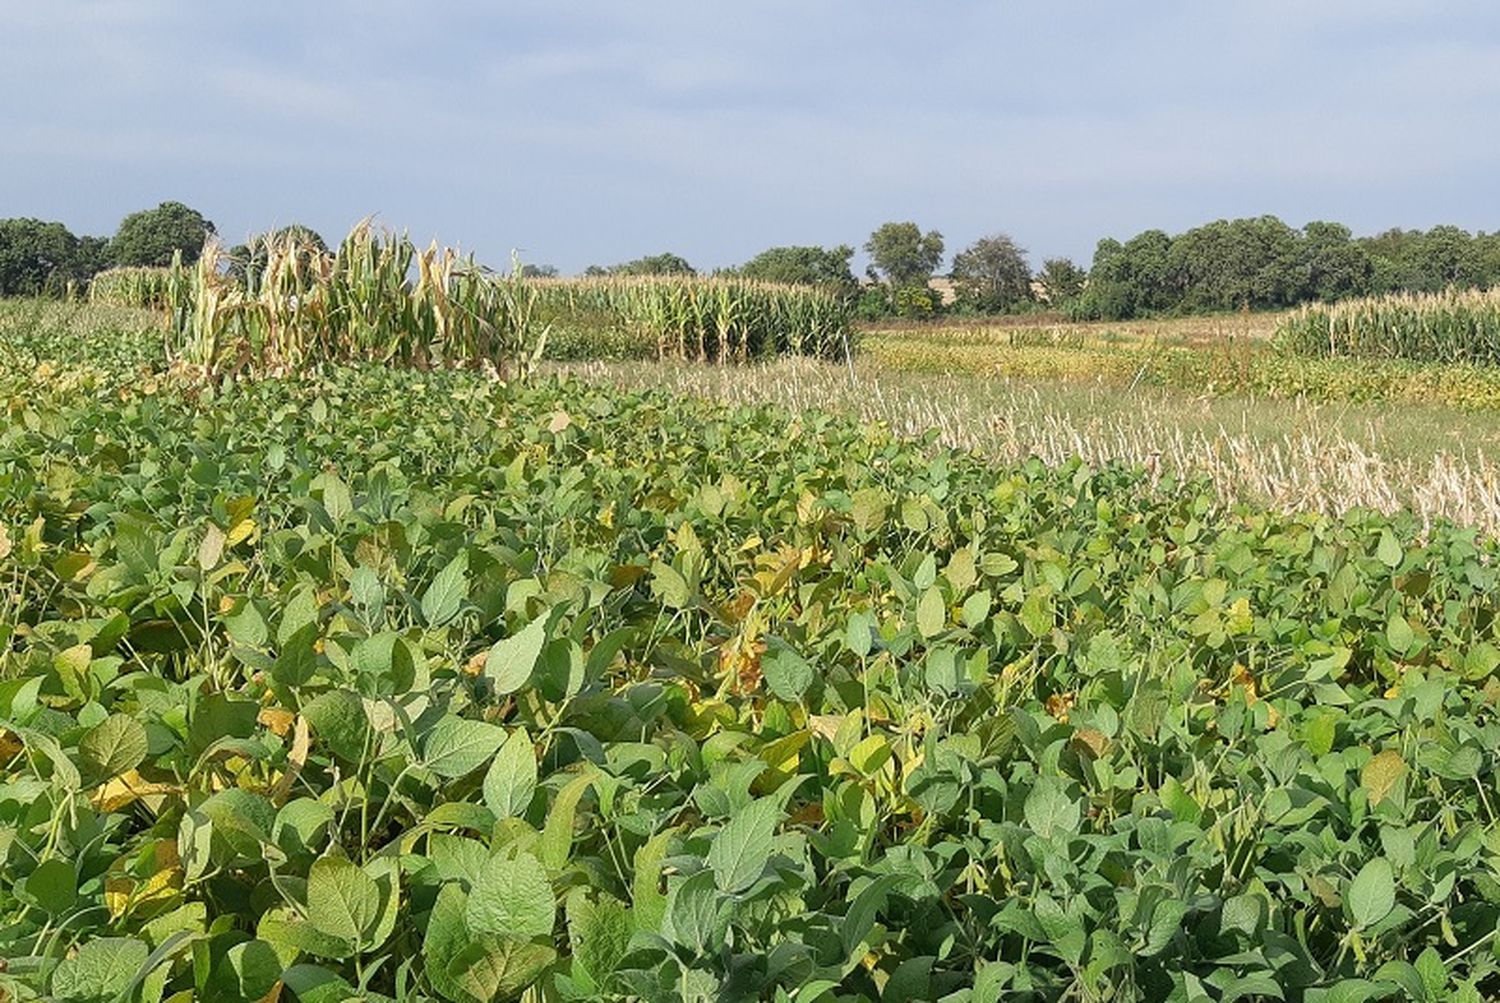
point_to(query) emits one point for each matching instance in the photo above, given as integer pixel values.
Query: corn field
(696, 319)
(148, 288)
(377, 298)
(1451, 326)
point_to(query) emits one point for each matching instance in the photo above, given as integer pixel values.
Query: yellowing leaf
(126, 789)
(278, 719)
(1381, 775)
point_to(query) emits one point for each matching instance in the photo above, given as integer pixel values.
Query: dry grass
(1290, 455)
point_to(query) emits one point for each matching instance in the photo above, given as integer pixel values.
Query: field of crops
(1453, 326)
(1280, 357)
(289, 305)
(385, 684)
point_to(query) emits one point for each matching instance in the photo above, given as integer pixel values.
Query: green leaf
(1399, 635)
(115, 745)
(1389, 549)
(599, 933)
(447, 936)
(556, 841)
(339, 723)
(298, 658)
(342, 901)
(1049, 810)
(510, 783)
(976, 609)
(103, 968)
(694, 915)
(511, 661)
(256, 968)
(457, 746)
(1036, 614)
(493, 970)
(52, 886)
(932, 616)
(1433, 972)
(445, 596)
(1372, 893)
(786, 672)
(741, 850)
(512, 898)
(668, 585)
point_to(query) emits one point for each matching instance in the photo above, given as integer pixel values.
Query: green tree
(1061, 280)
(37, 257)
(992, 274)
(1335, 266)
(665, 263)
(151, 236)
(812, 266)
(1132, 279)
(539, 271)
(904, 255)
(1231, 264)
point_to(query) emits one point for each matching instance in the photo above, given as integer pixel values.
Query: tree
(1061, 281)
(992, 274)
(1130, 279)
(539, 271)
(1335, 266)
(1231, 264)
(38, 257)
(810, 266)
(151, 236)
(665, 263)
(904, 255)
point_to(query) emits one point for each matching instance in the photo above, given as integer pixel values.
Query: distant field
(1291, 454)
(1232, 355)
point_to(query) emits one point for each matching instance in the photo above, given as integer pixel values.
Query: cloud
(596, 131)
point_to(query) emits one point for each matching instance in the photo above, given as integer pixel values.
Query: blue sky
(592, 132)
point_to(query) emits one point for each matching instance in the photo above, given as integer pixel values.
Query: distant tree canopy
(665, 263)
(539, 271)
(1262, 263)
(1061, 281)
(151, 236)
(903, 255)
(812, 266)
(39, 257)
(992, 275)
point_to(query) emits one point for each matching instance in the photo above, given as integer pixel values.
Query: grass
(1233, 355)
(1291, 454)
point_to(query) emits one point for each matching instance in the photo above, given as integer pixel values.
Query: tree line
(38, 257)
(1257, 263)
(1260, 263)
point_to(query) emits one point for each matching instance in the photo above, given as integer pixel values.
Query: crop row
(1451, 326)
(386, 684)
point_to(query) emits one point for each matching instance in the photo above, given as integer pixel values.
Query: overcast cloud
(592, 131)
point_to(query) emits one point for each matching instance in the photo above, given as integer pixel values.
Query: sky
(592, 132)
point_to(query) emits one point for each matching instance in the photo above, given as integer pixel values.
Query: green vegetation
(724, 319)
(386, 684)
(1264, 264)
(42, 258)
(147, 288)
(306, 308)
(153, 238)
(805, 266)
(1233, 355)
(1451, 326)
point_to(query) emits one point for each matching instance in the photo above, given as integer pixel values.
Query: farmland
(678, 681)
